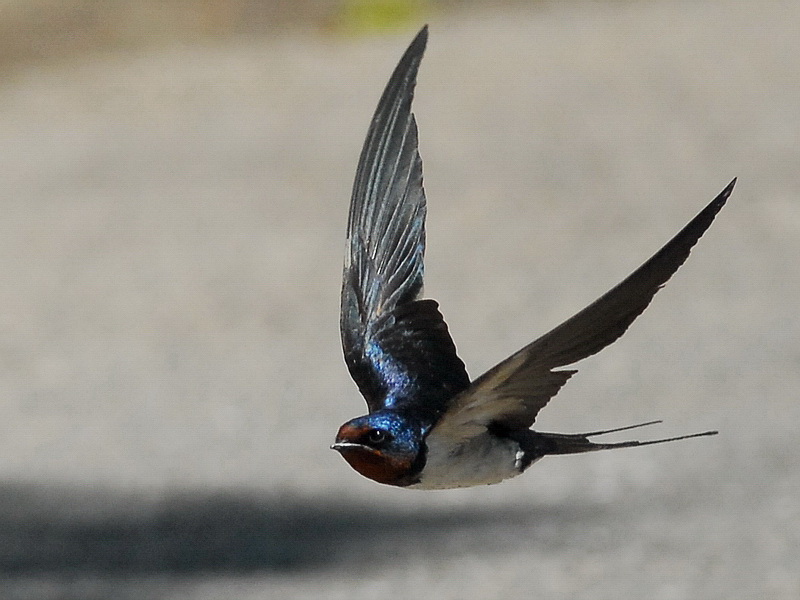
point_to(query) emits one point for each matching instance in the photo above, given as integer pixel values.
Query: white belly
(481, 460)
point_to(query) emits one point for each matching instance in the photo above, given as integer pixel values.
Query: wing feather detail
(511, 394)
(397, 347)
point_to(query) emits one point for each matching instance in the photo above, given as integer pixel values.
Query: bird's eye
(377, 436)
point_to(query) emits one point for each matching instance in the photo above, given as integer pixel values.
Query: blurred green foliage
(32, 30)
(360, 16)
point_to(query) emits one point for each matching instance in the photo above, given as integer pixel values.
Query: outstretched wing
(510, 395)
(397, 347)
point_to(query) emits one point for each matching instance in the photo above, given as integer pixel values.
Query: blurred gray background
(174, 180)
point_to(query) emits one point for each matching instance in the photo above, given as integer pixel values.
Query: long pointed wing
(396, 347)
(511, 394)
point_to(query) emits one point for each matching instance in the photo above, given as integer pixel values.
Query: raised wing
(510, 395)
(397, 347)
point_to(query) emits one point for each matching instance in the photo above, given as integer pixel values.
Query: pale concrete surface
(170, 251)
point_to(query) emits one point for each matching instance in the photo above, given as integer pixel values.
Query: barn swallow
(428, 426)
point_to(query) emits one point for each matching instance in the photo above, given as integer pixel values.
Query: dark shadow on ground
(49, 531)
(70, 543)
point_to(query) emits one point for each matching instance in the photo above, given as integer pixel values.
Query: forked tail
(575, 443)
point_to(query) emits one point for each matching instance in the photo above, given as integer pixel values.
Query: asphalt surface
(170, 251)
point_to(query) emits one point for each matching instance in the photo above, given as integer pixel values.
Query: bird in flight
(428, 426)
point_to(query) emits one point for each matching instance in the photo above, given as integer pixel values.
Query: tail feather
(576, 443)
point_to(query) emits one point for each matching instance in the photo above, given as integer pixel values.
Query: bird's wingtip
(421, 39)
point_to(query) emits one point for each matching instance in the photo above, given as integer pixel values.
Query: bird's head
(383, 446)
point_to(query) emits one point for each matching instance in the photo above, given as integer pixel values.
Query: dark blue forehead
(405, 431)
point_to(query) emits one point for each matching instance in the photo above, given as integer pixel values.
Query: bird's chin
(371, 463)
